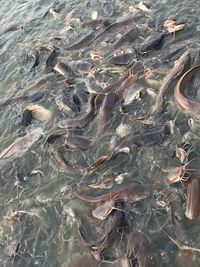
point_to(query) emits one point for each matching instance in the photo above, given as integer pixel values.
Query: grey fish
(82, 42)
(33, 53)
(21, 145)
(130, 36)
(142, 248)
(106, 110)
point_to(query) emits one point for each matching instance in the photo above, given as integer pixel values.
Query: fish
(122, 262)
(83, 260)
(21, 145)
(131, 192)
(78, 141)
(179, 68)
(27, 118)
(50, 62)
(142, 248)
(123, 59)
(39, 112)
(33, 53)
(59, 156)
(103, 210)
(193, 197)
(116, 26)
(95, 23)
(82, 42)
(110, 88)
(153, 44)
(63, 69)
(106, 110)
(115, 219)
(148, 138)
(66, 104)
(127, 38)
(28, 91)
(85, 119)
(189, 106)
(11, 28)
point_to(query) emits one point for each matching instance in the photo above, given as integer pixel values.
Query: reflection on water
(100, 145)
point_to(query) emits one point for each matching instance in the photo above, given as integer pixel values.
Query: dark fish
(84, 67)
(51, 60)
(142, 248)
(59, 156)
(106, 110)
(193, 198)
(81, 43)
(83, 121)
(66, 103)
(78, 142)
(110, 88)
(174, 54)
(116, 26)
(128, 38)
(30, 90)
(57, 7)
(177, 203)
(56, 134)
(123, 59)
(96, 23)
(131, 192)
(150, 138)
(33, 53)
(21, 145)
(189, 106)
(27, 118)
(11, 28)
(116, 218)
(81, 93)
(153, 44)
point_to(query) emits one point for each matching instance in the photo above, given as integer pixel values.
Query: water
(39, 215)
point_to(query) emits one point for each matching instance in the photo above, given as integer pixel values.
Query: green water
(38, 221)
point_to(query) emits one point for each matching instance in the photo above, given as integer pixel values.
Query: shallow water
(39, 220)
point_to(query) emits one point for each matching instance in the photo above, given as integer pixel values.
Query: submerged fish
(193, 198)
(131, 192)
(83, 260)
(106, 111)
(130, 36)
(142, 248)
(33, 53)
(21, 145)
(81, 43)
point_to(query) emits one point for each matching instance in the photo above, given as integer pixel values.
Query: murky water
(40, 215)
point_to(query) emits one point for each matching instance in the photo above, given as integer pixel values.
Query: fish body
(82, 42)
(131, 192)
(33, 53)
(189, 106)
(180, 66)
(106, 110)
(21, 145)
(142, 248)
